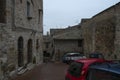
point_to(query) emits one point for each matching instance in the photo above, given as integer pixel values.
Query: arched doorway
(29, 51)
(20, 51)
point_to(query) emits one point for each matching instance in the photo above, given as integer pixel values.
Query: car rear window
(75, 69)
(96, 56)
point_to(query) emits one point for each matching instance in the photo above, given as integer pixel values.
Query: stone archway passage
(20, 52)
(29, 51)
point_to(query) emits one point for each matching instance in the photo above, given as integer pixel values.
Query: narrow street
(46, 71)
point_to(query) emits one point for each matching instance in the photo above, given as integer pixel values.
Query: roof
(112, 67)
(72, 53)
(106, 9)
(73, 34)
(90, 60)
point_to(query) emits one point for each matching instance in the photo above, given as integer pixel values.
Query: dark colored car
(79, 68)
(70, 57)
(116, 61)
(106, 71)
(96, 55)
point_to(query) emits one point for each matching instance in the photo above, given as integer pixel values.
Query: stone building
(66, 40)
(21, 30)
(101, 33)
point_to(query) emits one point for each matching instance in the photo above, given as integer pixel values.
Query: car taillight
(83, 72)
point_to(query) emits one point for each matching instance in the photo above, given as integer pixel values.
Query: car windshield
(75, 69)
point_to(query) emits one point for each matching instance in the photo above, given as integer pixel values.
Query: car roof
(96, 53)
(72, 53)
(90, 60)
(111, 67)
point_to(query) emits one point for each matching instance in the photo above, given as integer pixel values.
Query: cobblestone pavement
(46, 71)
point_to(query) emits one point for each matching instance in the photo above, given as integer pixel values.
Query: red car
(78, 69)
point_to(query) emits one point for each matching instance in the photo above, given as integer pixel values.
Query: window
(75, 69)
(39, 16)
(39, 13)
(102, 75)
(2, 11)
(28, 10)
(95, 55)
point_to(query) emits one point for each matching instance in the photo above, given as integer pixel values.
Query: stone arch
(29, 51)
(20, 51)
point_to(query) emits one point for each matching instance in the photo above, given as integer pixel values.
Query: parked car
(116, 61)
(96, 55)
(70, 57)
(79, 68)
(107, 71)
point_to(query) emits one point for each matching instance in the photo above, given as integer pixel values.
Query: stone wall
(19, 26)
(23, 20)
(88, 32)
(100, 32)
(6, 43)
(67, 46)
(105, 36)
(116, 54)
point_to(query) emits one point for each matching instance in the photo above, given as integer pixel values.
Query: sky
(64, 13)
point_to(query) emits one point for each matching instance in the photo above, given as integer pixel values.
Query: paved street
(46, 71)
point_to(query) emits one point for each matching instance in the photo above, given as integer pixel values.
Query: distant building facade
(21, 30)
(66, 40)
